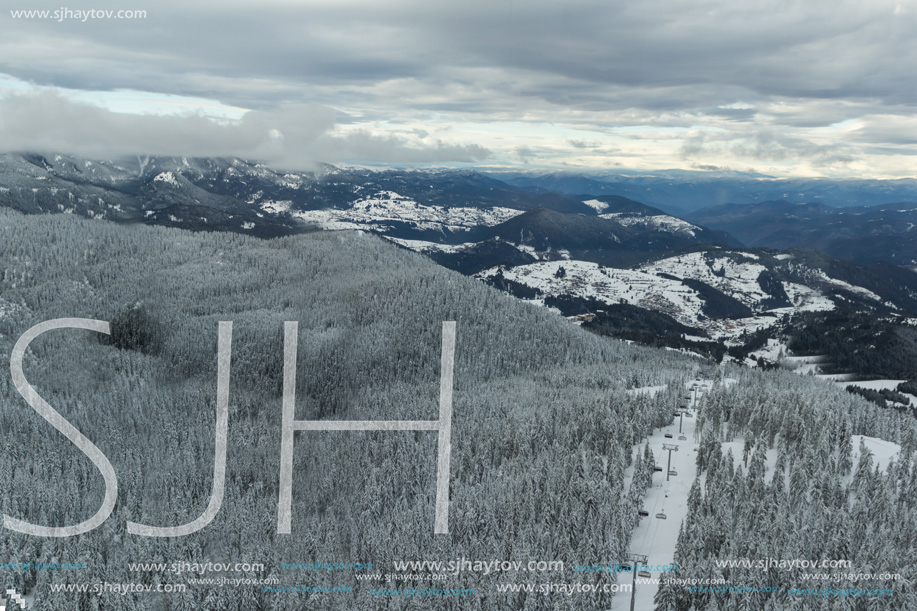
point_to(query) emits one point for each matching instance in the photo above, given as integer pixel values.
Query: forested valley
(542, 432)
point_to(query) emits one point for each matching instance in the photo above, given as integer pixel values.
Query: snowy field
(387, 206)
(652, 286)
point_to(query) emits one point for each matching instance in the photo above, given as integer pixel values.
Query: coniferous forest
(542, 432)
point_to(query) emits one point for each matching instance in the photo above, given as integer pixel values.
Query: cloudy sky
(808, 88)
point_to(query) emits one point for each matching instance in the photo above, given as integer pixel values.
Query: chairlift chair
(643, 513)
(644, 574)
(682, 438)
(673, 472)
(668, 435)
(660, 515)
(657, 469)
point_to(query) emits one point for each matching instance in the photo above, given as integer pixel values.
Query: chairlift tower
(671, 447)
(634, 559)
(695, 387)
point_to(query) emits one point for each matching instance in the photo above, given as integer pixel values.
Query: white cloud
(292, 135)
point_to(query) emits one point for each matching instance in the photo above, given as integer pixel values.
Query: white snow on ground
(882, 452)
(388, 206)
(529, 250)
(596, 205)
(276, 207)
(840, 284)
(739, 278)
(772, 352)
(166, 177)
(424, 246)
(662, 222)
(645, 390)
(736, 278)
(643, 288)
(805, 299)
(804, 365)
(686, 352)
(738, 448)
(585, 279)
(655, 537)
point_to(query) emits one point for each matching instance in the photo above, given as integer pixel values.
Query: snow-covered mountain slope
(696, 288)
(378, 212)
(236, 195)
(619, 239)
(666, 223)
(589, 280)
(631, 213)
(601, 249)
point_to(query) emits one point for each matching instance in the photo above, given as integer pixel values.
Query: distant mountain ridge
(445, 207)
(679, 192)
(886, 232)
(233, 194)
(579, 253)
